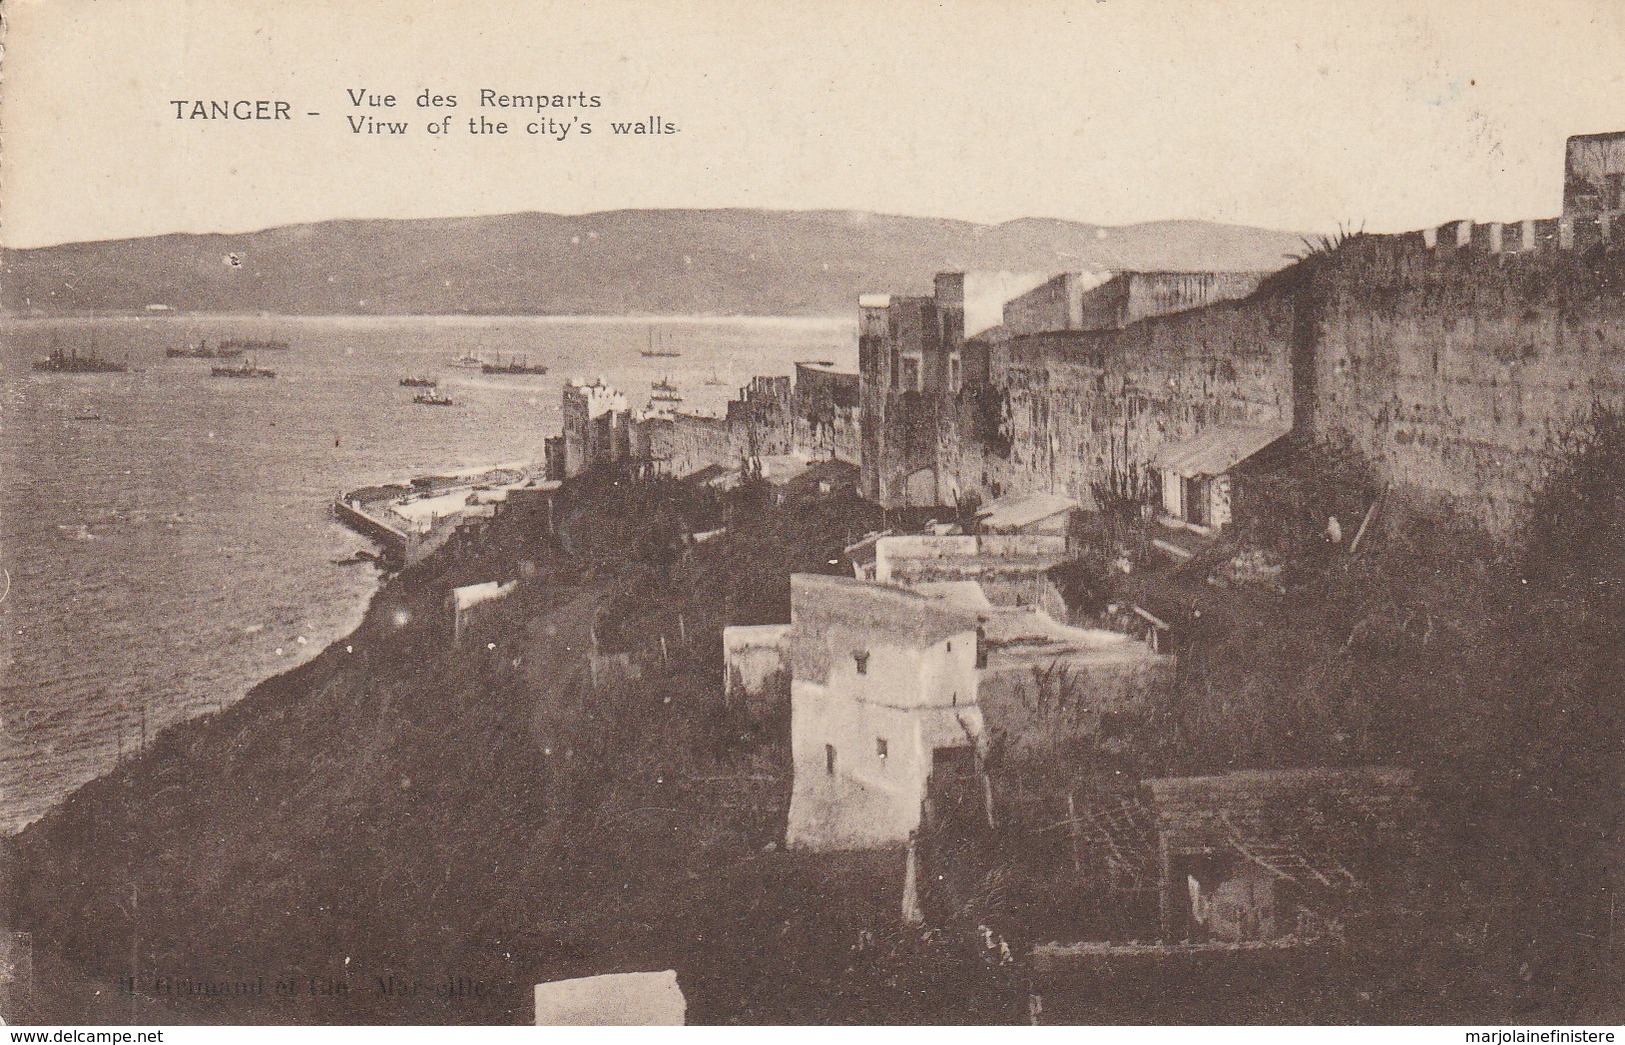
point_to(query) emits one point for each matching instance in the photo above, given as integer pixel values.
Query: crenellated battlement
(1532, 235)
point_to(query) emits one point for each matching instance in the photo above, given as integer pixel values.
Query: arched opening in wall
(920, 488)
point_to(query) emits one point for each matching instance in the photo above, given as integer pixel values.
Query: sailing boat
(656, 350)
(714, 379)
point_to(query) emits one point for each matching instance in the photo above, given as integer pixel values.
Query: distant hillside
(745, 262)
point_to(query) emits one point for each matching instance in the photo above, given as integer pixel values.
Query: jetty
(409, 520)
(396, 543)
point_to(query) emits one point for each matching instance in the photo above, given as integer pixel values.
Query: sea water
(165, 536)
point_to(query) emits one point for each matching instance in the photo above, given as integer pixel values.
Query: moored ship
(665, 392)
(521, 365)
(249, 368)
(469, 360)
(432, 399)
(418, 381)
(71, 362)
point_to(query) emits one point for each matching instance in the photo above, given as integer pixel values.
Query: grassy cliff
(402, 831)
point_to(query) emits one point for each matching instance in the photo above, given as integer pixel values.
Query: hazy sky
(1300, 114)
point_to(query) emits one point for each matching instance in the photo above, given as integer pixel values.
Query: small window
(829, 759)
(880, 747)
(950, 645)
(862, 661)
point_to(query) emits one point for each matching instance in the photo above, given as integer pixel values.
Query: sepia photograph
(909, 513)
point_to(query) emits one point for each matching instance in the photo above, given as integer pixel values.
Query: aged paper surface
(988, 512)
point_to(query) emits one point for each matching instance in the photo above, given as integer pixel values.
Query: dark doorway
(1195, 497)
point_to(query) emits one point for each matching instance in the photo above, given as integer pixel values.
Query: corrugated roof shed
(1312, 825)
(1217, 450)
(1014, 513)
